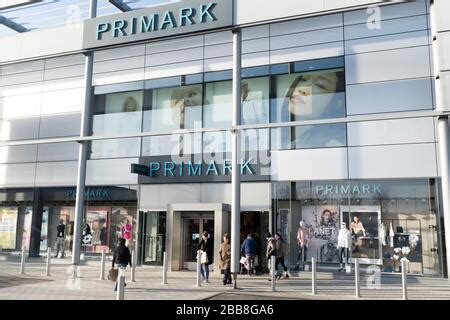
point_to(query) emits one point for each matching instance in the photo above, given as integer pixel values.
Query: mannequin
(302, 240)
(344, 244)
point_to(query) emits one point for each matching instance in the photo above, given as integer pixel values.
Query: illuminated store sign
(165, 170)
(155, 22)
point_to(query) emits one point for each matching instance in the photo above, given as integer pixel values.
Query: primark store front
(341, 121)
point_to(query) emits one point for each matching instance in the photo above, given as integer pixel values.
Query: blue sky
(53, 13)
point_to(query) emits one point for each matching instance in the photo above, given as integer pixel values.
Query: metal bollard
(273, 273)
(164, 268)
(404, 281)
(22, 262)
(199, 266)
(49, 257)
(313, 270)
(120, 286)
(102, 265)
(133, 267)
(357, 290)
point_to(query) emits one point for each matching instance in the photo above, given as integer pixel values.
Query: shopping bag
(113, 274)
(243, 260)
(204, 257)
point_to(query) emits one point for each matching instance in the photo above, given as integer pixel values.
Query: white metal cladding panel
(64, 72)
(444, 84)
(63, 125)
(57, 152)
(387, 12)
(255, 45)
(20, 106)
(119, 53)
(118, 76)
(444, 49)
(19, 78)
(216, 64)
(306, 38)
(21, 89)
(394, 161)
(255, 32)
(218, 37)
(62, 84)
(111, 171)
(174, 44)
(396, 41)
(389, 96)
(218, 50)
(23, 67)
(254, 196)
(61, 101)
(19, 129)
(64, 61)
(174, 69)
(306, 53)
(255, 59)
(309, 164)
(158, 196)
(17, 175)
(119, 64)
(56, 173)
(418, 130)
(396, 64)
(306, 24)
(14, 154)
(169, 57)
(415, 23)
(442, 8)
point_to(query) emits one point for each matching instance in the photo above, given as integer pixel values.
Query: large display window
(389, 221)
(8, 224)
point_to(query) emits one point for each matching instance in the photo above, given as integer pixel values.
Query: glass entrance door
(193, 227)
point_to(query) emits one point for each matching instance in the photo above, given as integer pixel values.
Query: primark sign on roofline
(158, 21)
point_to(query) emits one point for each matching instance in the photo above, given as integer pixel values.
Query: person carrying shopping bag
(121, 258)
(205, 254)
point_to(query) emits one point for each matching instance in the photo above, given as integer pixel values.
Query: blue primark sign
(166, 170)
(158, 21)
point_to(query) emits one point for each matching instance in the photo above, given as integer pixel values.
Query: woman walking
(225, 259)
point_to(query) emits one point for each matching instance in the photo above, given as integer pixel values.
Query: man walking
(60, 236)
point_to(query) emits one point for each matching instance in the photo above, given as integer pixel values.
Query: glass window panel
(118, 113)
(255, 139)
(174, 144)
(255, 100)
(318, 136)
(175, 108)
(217, 110)
(309, 95)
(217, 142)
(115, 148)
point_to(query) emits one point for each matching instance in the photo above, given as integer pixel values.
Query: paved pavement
(182, 285)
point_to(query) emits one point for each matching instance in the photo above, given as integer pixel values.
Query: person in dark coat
(121, 257)
(205, 246)
(225, 259)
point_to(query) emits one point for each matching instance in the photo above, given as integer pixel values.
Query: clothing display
(344, 238)
(391, 235)
(383, 234)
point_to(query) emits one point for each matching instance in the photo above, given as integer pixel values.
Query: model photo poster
(323, 225)
(8, 222)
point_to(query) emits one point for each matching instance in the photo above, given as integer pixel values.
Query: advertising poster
(44, 230)
(323, 225)
(97, 219)
(26, 234)
(8, 222)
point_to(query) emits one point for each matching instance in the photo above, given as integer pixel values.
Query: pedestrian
(60, 237)
(205, 254)
(121, 258)
(225, 259)
(248, 249)
(280, 249)
(270, 251)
